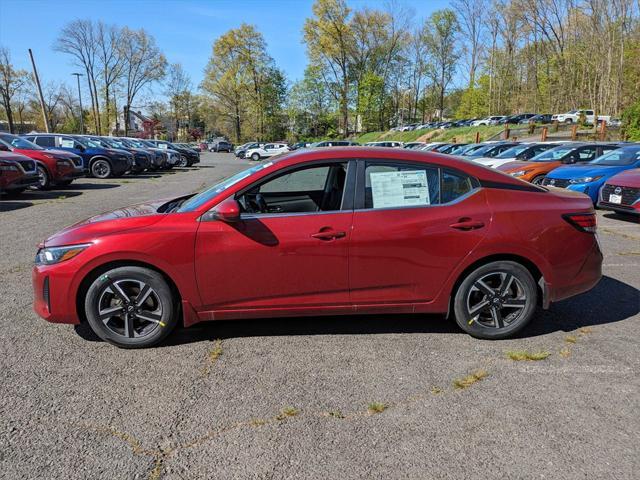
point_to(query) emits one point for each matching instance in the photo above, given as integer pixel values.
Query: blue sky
(184, 30)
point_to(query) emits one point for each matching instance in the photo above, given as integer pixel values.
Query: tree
(78, 39)
(111, 62)
(144, 65)
(178, 89)
(440, 33)
(329, 40)
(11, 82)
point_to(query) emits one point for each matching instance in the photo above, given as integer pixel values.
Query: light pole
(78, 75)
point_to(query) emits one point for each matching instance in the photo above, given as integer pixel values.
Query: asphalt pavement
(375, 397)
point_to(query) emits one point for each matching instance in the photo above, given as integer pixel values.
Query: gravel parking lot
(330, 398)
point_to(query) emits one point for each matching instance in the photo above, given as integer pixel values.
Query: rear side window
(46, 141)
(394, 185)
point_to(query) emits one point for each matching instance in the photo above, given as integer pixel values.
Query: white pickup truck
(574, 117)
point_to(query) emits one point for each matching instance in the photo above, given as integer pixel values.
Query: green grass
(521, 355)
(469, 380)
(376, 407)
(287, 412)
(461, 134)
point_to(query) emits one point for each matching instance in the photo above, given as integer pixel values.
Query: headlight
(585, 179)
(63, 163)
(53, 255)
(8, 168)
(520, 173)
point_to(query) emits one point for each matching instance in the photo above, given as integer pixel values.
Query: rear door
(412, 225)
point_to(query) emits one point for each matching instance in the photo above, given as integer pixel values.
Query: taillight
(585, 222)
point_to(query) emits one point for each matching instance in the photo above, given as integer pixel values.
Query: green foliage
(631, 122)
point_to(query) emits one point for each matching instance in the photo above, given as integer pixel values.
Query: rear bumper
(587, 277)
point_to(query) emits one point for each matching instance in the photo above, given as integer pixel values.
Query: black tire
(484, 309)
(538, 180)
(113, 314)
(101, 168)
(568, 120)
(44, 183)
(183, 162)
(255, 157)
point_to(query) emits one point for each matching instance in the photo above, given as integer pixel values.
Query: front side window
(306, 190)
(46, 142)
(586, 154)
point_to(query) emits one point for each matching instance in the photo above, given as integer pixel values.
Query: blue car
(589, 177)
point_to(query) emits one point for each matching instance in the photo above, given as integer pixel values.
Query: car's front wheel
(130, 307)
(101, 169)
(538, 180)
(44, 180)
(496, 300)
(183, 162)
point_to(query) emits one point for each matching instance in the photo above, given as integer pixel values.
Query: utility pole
(37, 79)
(78, 75)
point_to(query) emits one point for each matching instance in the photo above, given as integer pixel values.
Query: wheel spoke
(484, 288)
(128, 326)
(149, 317)
(107, 313)
(497, 317)
(506, 283)
(117, 291)
(478, 308)
(515, 303)
(143, 295)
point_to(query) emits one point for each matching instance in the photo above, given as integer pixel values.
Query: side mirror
(227, 211)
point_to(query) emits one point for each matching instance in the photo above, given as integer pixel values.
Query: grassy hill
(462, 135)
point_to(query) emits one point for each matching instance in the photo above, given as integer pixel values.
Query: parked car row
(608, 172)
(48, 160)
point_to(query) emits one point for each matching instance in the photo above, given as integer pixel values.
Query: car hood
(628, 178)
(575, 171)
(515, 164)
(13, 156)
(491, 160)
(108, 223)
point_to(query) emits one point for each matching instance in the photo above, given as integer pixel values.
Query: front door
(412, 225)
(288, 252)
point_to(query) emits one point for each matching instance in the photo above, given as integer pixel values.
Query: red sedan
(54, 167)
(326, 232)
(621, 193)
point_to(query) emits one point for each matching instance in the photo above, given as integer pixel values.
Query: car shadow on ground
(57, 194)
(582, 311)
(10, 205)
(625, 218)
(90, 186)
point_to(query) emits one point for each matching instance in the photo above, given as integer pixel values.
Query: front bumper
(11, 181)
(53, 293)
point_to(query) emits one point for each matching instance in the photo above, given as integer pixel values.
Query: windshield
(86, 143)
(552, 155)
(620, 157)
(203, 197)
(481, 150)
(513, 151)
(19, 142)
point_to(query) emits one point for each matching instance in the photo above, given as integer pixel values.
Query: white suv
(487, 121)
(268, 150)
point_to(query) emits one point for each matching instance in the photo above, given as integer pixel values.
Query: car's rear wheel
(44, 180)
(101, 169)
(183, 162)
(496, 300)
(255, 157)
(130, 307)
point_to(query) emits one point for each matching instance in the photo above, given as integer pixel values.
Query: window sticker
(66, 143)
(399, 189)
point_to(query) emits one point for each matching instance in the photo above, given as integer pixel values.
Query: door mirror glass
(227, 211)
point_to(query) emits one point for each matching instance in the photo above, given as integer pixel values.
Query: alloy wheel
(43, 178)
(130, 308)
(100, 169)
(183, 161)
(496, 300)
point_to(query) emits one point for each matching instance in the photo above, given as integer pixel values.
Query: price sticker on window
(399, 189)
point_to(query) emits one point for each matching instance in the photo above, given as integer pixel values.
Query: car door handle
(328, 235)
(467, 224)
